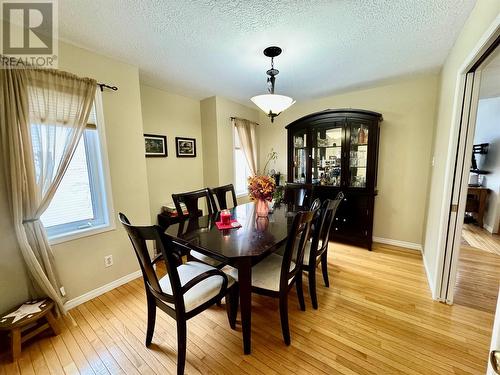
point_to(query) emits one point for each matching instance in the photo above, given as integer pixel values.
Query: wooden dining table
(239, 247)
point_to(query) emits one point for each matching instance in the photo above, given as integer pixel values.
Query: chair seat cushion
(266, 274)
(201, 292)
(205, 259)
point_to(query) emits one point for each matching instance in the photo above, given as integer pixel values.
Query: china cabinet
(336, 150)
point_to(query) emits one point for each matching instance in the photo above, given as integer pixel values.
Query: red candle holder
(225, 217)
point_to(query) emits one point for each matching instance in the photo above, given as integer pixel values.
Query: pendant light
(272, 104)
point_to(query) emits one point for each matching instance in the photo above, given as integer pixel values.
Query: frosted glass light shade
(272, 104)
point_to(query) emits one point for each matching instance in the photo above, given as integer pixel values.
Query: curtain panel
(44, 115)
(247, 133)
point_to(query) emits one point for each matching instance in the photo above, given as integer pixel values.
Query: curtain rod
(105, 86)
(235, 118)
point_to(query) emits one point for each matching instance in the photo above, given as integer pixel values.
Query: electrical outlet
(108, 261)
(63, 291)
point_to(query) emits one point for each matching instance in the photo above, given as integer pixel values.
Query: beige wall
(216, 112)
(173, 116)
(210, 147)
(408, 107)
(81, 261)
(480, 19)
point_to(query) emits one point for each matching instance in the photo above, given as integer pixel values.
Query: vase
(261, 208)
(261, 223)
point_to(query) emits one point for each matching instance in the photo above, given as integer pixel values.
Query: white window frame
(67, 232)
(235, 134)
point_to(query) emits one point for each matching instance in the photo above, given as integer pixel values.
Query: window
(80, 204)
(241, 170)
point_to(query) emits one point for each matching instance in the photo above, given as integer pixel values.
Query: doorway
(478, 269)
(471, 267)
(475, 191)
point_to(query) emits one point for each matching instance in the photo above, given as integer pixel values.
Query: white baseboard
(489, 228)
(406, 245)
(101, 290)
(432, 287)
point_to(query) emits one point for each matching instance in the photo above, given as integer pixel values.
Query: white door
(460, 183)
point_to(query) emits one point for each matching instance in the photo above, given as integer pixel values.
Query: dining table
(241, 248)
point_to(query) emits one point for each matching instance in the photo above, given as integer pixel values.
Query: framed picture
(155, 145)
(185, 147)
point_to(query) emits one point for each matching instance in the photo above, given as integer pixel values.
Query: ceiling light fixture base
(272, 51)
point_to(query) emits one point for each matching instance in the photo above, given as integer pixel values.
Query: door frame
(450, 220)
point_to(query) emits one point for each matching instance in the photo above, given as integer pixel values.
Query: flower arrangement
(261, 188)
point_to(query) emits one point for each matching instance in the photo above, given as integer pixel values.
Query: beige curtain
(44, 113)
(246, 131)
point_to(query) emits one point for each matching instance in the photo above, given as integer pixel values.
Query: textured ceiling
(206, 47)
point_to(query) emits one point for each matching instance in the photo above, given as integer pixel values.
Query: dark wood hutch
(337, 150)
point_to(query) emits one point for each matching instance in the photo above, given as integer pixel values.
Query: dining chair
(298, 194)
(316, 250)
(191, 200)
(221, 194)
(185, 291)
(275, 275)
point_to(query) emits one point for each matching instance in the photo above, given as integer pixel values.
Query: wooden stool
(29, 323)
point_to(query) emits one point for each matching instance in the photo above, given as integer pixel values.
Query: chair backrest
(295, 245)
(190, 199)
(221, 195)
(316, 207)
(298, 194)
(138, 236)
(316, 204)
(322, 227)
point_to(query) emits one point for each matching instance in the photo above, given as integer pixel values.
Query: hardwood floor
(478, 273)
(480, 238)
(478, 278)
(377, 317)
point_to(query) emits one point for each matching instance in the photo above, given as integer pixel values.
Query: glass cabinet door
(300, 156)
(358, 154)
(327, 156)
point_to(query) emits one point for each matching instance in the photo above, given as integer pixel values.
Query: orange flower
(261, 187)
